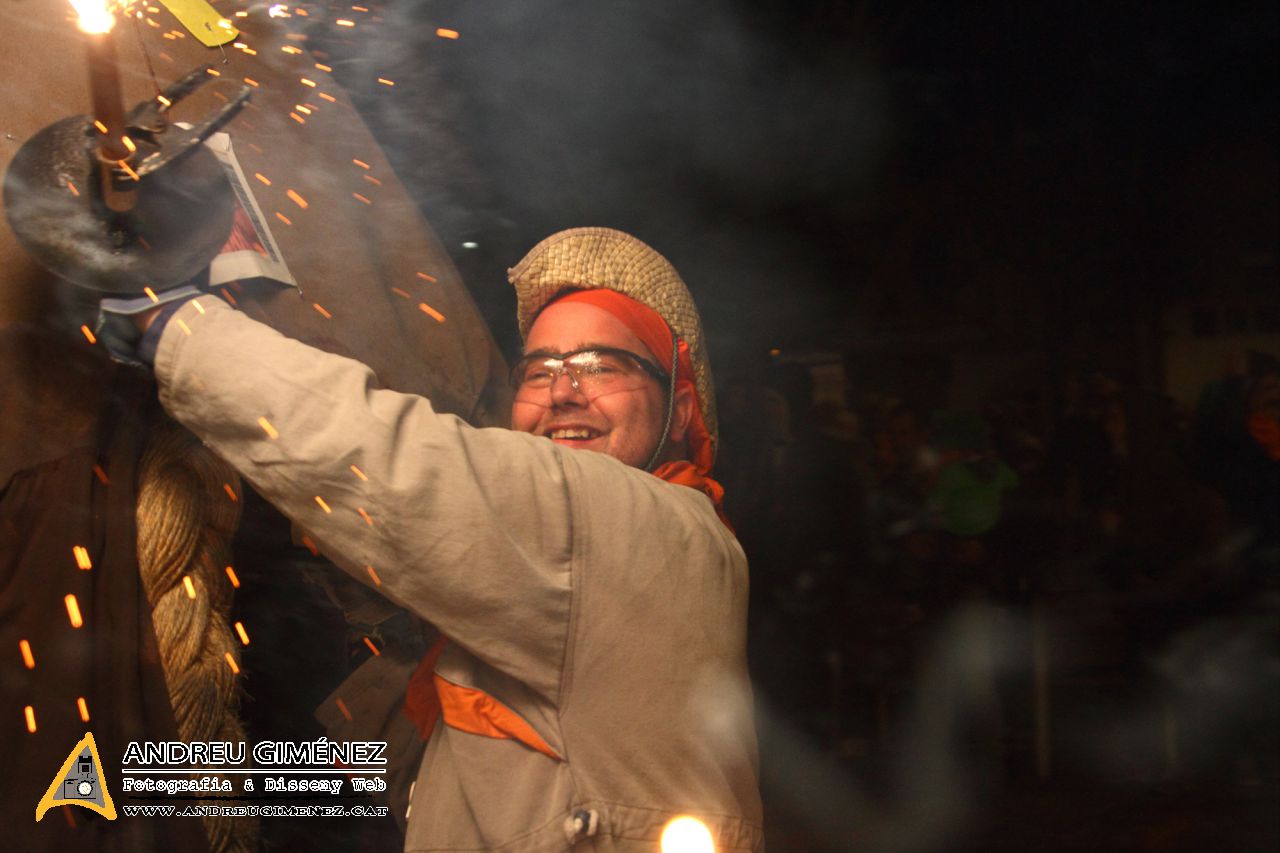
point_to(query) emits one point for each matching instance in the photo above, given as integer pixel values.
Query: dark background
(1041, 236)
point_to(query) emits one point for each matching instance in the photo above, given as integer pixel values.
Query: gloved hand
(118, 330)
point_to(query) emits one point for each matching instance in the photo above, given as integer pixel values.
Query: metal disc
(181, 218)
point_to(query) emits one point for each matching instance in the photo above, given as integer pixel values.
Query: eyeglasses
(592, 372)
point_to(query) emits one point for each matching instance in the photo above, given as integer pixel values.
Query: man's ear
(682, 412)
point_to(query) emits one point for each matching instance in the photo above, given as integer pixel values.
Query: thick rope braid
(185, 523)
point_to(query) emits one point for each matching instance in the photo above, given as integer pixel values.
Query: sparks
(101, 475)
(268, 429)
(244, 635)
(29, 660)
(359, 197)
(83, 708)
(71, 186)
(164, 101)
(231, 662)
(372, 647)
(377, 581)
(307, 82)
(398, 292)
(297, 199)
(371, 179)
(231, 576)
(88, 333)
(324, 506)
(342, 706)
(227, 295)
(384, 81)
(426, 277)
(289, 48)
(186, 330)
(128, 143)
(125, 166)
(199, 308)
(189, 586)
(286, 220)
(251, 82)
(431, 312)
(359, 473)
(73, 611)
(323, 67)
(368, 519)
(320, 309)
(262, 178)
(447, 34)
(343, 22)
(151, 294)
(326, 96)
(82, 558)
(30, 714)
(102, 128)
(299, 119)
(362, 164)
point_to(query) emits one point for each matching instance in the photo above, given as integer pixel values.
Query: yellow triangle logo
(79, 783)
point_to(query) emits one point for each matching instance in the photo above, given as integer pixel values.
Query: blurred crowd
(1150, 532)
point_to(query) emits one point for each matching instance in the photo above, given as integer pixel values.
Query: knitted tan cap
(591, 258)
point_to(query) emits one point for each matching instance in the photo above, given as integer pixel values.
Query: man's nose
(565, 391)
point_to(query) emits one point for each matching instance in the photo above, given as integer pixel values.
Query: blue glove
(120, 335)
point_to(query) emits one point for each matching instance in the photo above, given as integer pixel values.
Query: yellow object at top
(202, 21)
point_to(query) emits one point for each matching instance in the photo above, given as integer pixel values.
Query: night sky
(801, 163)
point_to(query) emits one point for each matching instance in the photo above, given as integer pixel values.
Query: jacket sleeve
(469, 528)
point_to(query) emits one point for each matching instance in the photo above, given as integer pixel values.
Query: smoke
(695, 125)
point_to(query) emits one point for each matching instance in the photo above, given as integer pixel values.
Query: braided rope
(185, 524)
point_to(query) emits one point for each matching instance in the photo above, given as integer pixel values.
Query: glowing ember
(384, 81)
(447, 34)
(231, 662)
(268, 429)
(251, 82)
(299, 119)
(687, 835)
(82, 558)
(330, 98)
(151, 294)
(29, 660)
(244, 635)
(83, 708)
(262, 178)
(95, 16)
(189, 586)
(323, 67)
(88, 333)
(359, 473)
(431, 312)
(372, 647)
(30, 714)
(73, 611)
(306, 82)
(231, 576)
(128, 143)
(320, 309)
(324, 506)
(297, 199)
(343, 22)
(102, 128)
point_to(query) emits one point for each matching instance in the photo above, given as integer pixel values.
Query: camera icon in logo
(79, 784)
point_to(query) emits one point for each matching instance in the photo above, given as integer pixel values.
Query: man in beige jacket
(593, 686)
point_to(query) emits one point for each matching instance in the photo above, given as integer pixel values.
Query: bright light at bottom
(687, 835)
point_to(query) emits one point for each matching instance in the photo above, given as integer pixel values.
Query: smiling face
(624, 424)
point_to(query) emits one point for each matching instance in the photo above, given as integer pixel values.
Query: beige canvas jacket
(603, 606)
